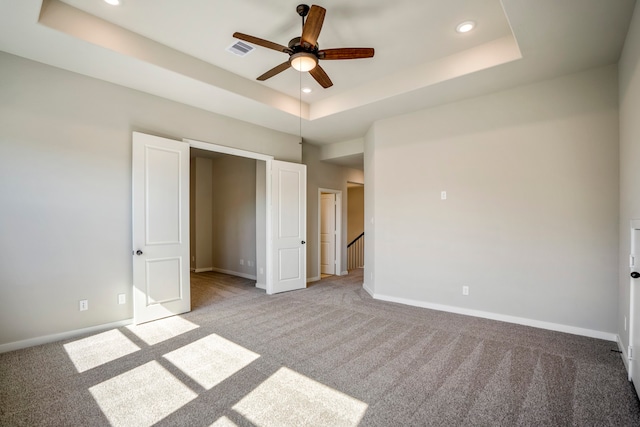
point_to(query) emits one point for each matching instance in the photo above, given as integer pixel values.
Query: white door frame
(257, 156)
(635, 225)
(338, 253)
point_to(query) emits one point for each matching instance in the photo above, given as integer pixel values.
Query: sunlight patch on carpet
(224, 422)
(88, 353)
(142, 396)
(289, 398)
(211, 360)
(162, 330)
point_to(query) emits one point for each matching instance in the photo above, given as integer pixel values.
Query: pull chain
(300, 105)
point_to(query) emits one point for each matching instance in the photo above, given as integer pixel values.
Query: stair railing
(355, 253)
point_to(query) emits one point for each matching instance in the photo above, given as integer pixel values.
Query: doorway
(224, 214)
(355, 225)
(281, 211)
(330, 232)
(160, 218)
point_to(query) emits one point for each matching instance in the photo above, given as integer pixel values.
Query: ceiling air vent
(240, 48)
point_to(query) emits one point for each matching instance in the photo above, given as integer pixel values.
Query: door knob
(303, 242)
(138, 252)
(635, 274)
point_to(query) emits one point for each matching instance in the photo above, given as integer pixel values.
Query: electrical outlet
(193, 259)
(122, 299)
(443, 195)
(84, 305)
(261, 270)
(465, 290)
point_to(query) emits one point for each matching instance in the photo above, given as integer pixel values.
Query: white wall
(65, 190)
(370, 209)
(329, 176)
(530, 222)
(629, 67)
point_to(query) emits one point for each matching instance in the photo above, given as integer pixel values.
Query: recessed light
(113, 2)
(306, 89)
(465, 26)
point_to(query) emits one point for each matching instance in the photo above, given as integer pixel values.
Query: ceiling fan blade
(262, 42)
(275, 70)
(321, 77)
(313, 25)
(346, 53)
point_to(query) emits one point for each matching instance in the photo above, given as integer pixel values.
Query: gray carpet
(329, 355)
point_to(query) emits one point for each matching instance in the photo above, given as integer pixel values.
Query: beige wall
(192, 213)
(355, 209)
(65, 190)
(530, 222)
(629, 156)
(234, 215)
(329, 176)
(203, 205)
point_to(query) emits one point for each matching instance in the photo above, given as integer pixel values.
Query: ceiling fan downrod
(303, 10)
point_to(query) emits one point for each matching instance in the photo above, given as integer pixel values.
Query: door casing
(328, 233)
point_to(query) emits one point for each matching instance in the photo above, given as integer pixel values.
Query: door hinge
(632, 260)
(630, 353)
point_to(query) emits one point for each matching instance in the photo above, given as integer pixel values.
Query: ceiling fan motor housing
(296, 46)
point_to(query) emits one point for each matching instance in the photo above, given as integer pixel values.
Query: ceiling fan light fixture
(303, 61)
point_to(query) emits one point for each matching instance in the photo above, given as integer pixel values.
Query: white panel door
(161, 285)
(328, 234)
(635, 309)
(289, 227)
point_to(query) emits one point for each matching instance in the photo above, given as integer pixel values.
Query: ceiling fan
(304, 53)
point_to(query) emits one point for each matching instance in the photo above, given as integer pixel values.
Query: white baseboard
(234, 273)
(46, 339)
(202, 270)
(624, 355)
(368, 290)
(313, 279)
(608, 336)
(260, 285)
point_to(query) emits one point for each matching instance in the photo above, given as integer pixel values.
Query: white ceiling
(177, 50)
